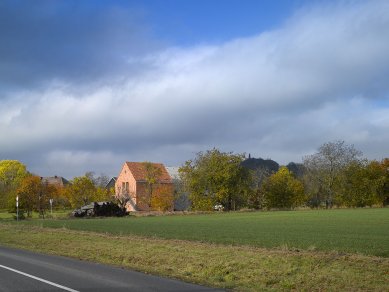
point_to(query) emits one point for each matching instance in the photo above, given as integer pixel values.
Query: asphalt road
(27, 271)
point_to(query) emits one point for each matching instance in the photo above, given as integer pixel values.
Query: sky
(88, 85)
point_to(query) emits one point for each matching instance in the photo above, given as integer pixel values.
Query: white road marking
(39, 279)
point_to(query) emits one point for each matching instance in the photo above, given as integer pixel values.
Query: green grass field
(364, 231)
(324, 250)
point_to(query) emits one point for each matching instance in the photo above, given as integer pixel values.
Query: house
(111, 183)
(57, 181)
(139, 183)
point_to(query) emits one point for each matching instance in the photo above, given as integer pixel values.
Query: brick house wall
(132, 181)
(126, 185)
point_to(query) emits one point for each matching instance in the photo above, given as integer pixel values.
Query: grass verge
(57, 214)
(234, 267)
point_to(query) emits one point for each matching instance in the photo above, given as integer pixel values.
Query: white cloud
(280, 94)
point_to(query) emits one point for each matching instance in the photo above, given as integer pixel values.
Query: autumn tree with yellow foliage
(281, 190)
(12, 172)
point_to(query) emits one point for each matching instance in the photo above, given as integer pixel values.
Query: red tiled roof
(138, 170)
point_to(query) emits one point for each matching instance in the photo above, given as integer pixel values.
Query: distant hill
(259, 163)
(266, 167)
(296, 168)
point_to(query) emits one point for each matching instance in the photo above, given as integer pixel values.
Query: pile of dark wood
(100, 209)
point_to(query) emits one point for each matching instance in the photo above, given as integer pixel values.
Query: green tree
(12, 172)
(216, 177)
(383, 192)
(282, 190)
(103, 194)
(81, 191)
(34, 195)
(100, 182)
(324, 168)
(361, 184)
(28, 191)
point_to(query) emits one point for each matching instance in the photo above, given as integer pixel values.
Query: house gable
(132, 181)
(111, 183)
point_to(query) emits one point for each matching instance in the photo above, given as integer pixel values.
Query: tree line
(34, 193)
(336, 175)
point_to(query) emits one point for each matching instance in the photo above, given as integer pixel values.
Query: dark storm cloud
(75, 41)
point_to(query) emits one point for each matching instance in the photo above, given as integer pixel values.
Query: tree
(56, 194)
(297, 169)
(12, 172)
(103, 194)
(383, 193)
(282, 190)
(152, 175)
(216, 177)
(260, 169)
(59, 196)
(256, 199)
(28, 192)
(361, 184)
(100, 181)
(324, 168)
(34, 195)
(260, 175)
(163, 199)
(81, 191)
